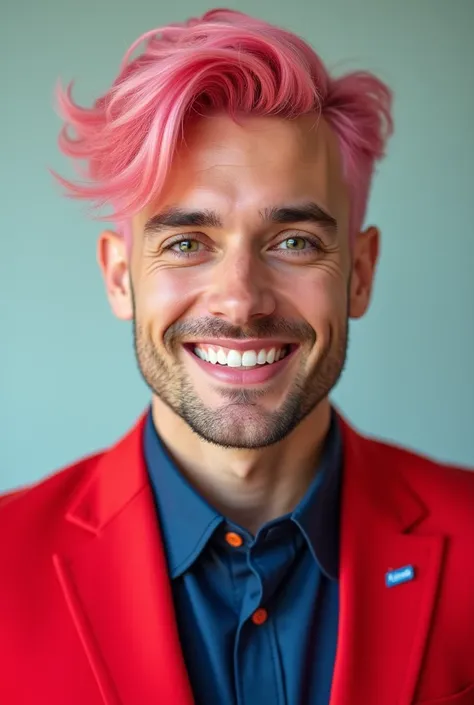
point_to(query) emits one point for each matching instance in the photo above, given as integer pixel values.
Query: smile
(240, 364)
(217, 355)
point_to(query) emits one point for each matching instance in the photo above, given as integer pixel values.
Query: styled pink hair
(224, 61)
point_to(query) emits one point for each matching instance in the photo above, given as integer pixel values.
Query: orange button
(260, 616)
(234, 539)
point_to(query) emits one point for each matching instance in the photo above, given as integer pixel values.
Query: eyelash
(179, 239)
(315, 243)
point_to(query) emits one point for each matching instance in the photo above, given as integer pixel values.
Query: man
(242, 544)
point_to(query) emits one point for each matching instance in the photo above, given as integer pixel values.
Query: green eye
(188, 246)
(294, 243)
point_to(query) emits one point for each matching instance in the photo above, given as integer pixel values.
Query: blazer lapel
(382, 630)
(116, 584)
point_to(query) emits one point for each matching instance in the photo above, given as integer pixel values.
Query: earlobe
(113, 262)
(364, 262)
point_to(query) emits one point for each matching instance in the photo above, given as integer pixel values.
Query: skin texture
(251, 450)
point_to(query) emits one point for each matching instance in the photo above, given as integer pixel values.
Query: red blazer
(86, 612)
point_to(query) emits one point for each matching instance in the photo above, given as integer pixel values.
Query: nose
(240, 289)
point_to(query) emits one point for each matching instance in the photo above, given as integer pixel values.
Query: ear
(365, 253)
(113, 262)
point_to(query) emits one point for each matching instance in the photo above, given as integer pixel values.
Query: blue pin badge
(399, 576)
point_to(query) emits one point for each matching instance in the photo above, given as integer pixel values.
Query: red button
(234, 539)
(260, 616)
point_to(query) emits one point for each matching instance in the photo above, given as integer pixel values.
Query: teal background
(69, 383)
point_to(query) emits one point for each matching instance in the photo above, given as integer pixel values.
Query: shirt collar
(318, 513)
(187, 521)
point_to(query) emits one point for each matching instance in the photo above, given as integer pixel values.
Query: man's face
(241, 279)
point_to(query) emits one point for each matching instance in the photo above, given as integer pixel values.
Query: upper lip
(241, 345)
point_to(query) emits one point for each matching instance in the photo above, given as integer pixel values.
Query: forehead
(239, 168)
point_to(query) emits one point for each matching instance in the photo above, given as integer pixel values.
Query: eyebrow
(309, 212)
(174, 217)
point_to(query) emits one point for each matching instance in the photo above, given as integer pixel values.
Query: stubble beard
(241, 422)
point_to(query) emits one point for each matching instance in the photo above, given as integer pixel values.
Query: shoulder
(422, 468)
(34, 516)
(442, 486)
(41, 505)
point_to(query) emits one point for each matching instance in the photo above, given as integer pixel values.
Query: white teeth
(212, 355)
(234, 358)
(249, 358)
(221, 357)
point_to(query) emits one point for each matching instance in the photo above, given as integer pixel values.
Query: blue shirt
(257, 621)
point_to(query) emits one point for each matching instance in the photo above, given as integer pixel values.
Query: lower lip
(239, 375)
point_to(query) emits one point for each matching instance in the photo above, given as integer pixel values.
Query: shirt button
(260, 616)
(234, 539)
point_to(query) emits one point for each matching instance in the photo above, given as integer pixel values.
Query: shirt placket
(257, 663)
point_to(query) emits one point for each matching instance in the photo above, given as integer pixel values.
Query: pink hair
(223, 61)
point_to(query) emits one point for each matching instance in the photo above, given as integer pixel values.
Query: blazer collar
(120, 474)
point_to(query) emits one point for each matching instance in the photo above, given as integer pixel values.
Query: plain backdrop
(69, 382)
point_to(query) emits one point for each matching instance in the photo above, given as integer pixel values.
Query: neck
(248, 487)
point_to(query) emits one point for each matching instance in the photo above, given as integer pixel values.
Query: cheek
(318, 294)
(165, 296)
